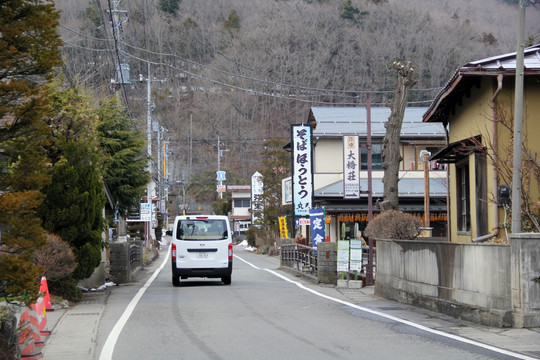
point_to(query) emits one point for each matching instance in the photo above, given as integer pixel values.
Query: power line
(228, 73)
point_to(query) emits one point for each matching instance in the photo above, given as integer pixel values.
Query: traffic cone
(44, 290)
(29, 338)
(41, 313)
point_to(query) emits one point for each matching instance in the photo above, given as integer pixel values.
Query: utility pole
(149, 152)
(370, 279)
(518, 122)
(122, 77)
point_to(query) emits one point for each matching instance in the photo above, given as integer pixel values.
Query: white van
(201, 247)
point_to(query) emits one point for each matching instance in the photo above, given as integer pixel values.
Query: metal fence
(299, 257)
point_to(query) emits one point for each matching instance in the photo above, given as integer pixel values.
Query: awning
(458, 150)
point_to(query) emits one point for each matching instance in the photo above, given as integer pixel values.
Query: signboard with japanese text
(302, 222)
(356, 254)
(343, 255)
(302, 179)
(257, 189)
(351, 167)
(317, 225)
(146, 212)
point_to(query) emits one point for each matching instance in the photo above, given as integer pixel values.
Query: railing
(299, 257)
(304, 259)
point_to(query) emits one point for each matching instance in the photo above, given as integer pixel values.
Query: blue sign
(220, 175)
(317, 225)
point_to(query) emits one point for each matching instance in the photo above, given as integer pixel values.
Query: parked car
(201, 247)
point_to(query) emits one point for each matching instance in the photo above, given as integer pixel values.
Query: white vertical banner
(351, 167)
(302, 164)
(257, 189)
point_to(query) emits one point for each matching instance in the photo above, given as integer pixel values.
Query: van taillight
(230, 251)
(173, 251)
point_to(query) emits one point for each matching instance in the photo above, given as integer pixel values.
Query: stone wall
(327, 262)
(126, 260)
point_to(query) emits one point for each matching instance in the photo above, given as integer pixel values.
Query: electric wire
(228, 73)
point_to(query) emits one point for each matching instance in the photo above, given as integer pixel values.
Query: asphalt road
(263, 314)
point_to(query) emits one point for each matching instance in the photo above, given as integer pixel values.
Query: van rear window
(201, 229)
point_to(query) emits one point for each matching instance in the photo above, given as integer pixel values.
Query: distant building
(240, 215)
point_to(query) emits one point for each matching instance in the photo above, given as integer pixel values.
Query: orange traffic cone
(29, 337)
(41, 316)
(44, 290)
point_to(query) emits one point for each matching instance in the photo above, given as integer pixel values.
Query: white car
(201, 247)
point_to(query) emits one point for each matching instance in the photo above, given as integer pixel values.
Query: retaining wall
(484, 283)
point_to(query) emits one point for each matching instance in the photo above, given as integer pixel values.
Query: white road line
(108, 348)
(394, 318)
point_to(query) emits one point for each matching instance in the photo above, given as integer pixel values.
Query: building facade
(477, 108)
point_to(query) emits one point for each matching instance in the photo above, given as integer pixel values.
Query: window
(481, 194)
(376, 156)
(463, 205)
(242, 203)
(201, 229)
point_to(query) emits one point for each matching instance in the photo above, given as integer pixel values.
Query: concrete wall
(467, 281)
(484, 283)
(525, 260)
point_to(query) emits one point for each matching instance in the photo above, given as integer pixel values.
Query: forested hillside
(246, 69)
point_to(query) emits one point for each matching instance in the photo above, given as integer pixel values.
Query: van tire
(226, 280)
(175, 281)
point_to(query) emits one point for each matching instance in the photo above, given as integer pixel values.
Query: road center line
(394, 318)
(108, 348)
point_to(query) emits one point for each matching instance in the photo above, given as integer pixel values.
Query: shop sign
(302, 182)
(351, 167)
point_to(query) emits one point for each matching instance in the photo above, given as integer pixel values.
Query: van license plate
(202, 255)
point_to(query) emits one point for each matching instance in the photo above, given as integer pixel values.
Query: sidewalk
(74, 330)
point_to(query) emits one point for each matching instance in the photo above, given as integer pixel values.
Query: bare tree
(391, 152)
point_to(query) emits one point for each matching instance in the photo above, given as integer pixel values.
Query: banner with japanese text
(317, 225)
(257, 190)
(351, 167)
(302, 179)
(283, 232)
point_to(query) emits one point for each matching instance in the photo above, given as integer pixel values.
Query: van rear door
(204, 243)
